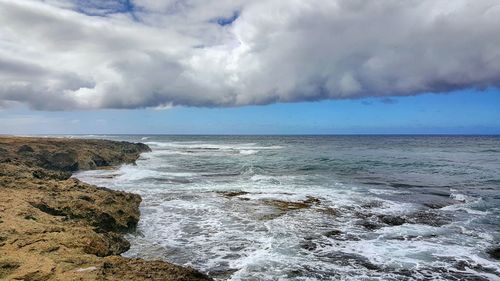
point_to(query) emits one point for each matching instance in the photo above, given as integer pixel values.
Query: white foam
(248, 151)
(201, 146)
(194, 224)
(132, 173)
(460, 197)
(467, 203)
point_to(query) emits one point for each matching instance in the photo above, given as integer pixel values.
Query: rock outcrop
(54, 227)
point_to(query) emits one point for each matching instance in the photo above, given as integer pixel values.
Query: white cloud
(88, 54)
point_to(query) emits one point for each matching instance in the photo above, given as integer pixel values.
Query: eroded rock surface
(53, 227)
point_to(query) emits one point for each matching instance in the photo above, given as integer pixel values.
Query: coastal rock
(230, 194)
(494, 253)
(392, 220)
(282, 207)
(428, 218)
(369, 225)
(25, 149)
(293, 205)
(118, 268)
(53, 227)
(61, 161)
(107, 244)
(350, 259)
(104, 209)
(372, 221)
(308, 245)
(68, 154)
(332, 233)
(7, 268)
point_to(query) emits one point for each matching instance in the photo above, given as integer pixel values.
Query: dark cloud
(58, 55)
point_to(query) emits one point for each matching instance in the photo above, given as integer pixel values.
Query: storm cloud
(63, 55)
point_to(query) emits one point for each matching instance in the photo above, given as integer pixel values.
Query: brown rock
(118, 268)
(53, 227)
(230, 194)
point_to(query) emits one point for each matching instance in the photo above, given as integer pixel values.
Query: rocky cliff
(53, 227)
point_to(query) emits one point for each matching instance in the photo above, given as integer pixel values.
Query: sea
(316, 207)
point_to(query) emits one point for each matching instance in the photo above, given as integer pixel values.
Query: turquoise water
(374, 207)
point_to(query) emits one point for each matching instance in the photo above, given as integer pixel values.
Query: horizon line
(271, 135)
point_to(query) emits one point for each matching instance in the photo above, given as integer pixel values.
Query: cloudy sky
(249, 66)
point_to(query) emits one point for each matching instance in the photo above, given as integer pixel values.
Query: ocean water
(317, 207)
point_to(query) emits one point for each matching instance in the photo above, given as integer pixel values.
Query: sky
(249, 67)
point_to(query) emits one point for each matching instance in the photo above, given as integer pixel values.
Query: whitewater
(317, 207)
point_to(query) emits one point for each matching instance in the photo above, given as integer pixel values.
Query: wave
(131, 173)
(490, 150)
(210, 146)
(349, 228)
(248, 151)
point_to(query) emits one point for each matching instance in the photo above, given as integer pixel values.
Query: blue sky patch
(103, 8)
(228, 21)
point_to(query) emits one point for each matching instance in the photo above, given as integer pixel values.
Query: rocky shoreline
(54, 227)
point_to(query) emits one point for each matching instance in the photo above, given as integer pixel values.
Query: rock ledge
(53, 227)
